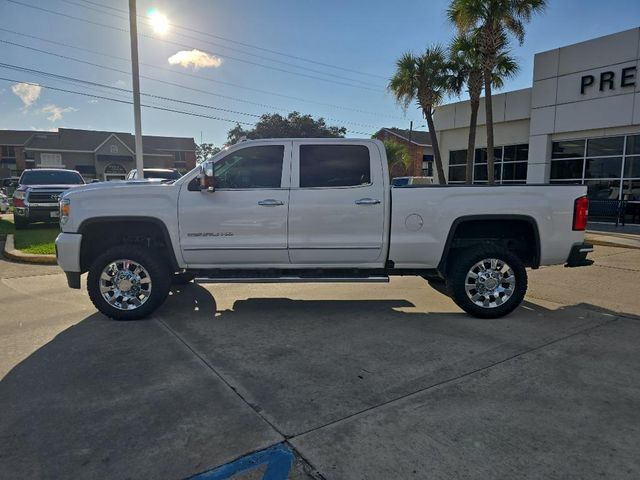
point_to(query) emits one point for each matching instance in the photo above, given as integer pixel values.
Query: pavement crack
(456, 378)
(213, 369)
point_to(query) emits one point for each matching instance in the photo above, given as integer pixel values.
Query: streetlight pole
(135, 74)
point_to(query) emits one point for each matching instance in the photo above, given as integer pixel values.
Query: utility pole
(135, 74)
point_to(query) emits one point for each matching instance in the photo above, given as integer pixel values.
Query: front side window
(251, 167)
(334, 166)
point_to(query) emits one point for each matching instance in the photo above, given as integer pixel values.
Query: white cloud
(54, 112)
(93, 100)
(27, 92)
(196, 58)
(120, 84)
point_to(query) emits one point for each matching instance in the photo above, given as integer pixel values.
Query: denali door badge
(210, 234)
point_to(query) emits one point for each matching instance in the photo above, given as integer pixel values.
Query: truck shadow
(128, 399)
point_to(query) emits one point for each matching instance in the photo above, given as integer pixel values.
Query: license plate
(54, 214)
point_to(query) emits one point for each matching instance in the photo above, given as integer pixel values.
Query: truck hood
(118, 184)
(50, 187)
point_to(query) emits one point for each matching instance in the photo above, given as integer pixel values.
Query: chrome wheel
(125, 284)
(490, 283)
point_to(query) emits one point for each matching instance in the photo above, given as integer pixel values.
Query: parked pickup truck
(38, 194)
(313, 210)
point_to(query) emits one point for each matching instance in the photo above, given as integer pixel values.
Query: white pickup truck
(313, 210)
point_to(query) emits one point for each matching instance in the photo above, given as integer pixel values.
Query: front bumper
(578, 255)
(68, 256)
(38, 214)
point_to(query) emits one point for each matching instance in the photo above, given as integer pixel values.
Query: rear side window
(334, 166)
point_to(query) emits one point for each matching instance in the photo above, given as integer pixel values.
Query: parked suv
(8, 185)
(38, 194)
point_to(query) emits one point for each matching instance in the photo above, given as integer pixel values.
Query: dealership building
(578, 123)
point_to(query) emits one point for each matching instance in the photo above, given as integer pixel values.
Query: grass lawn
(36, 240)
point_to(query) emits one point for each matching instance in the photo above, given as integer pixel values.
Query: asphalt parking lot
(358, 381)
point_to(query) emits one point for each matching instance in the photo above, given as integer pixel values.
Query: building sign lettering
(115, 168)
(609, 79)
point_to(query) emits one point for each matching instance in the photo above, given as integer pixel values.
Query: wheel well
(518, 235)
(99, 235)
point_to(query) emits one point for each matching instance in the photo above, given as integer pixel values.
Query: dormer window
(113, 148)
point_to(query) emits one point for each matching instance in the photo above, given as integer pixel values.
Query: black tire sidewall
(469, 257)
(152, 263)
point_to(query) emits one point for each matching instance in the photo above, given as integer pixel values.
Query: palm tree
(466, 66)
(423, 78)
(492, 21)
(397, 156)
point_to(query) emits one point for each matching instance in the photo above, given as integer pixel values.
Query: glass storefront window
(633, 145)
(608, 167)
(632, 167)
(457, 173)
(563, 169)
(631, 190)
(603, 189)
(514, 171)
(458, 157)
(606, 146)
(568, 149)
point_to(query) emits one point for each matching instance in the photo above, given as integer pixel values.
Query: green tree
(294, 125)
(397, 156)
(466, 66)
(493, 21)
(204, 151)
(425, 79)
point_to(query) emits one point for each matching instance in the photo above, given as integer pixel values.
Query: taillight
(580, 213)
(18, 202)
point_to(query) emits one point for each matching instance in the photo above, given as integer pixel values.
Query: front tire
(128, 282)
(487, 281)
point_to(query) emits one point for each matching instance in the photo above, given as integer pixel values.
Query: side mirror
(207, 177)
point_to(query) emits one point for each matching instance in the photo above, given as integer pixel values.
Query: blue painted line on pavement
(278, 459)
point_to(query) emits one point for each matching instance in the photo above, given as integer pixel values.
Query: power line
(127, 102)
(148, 105)
(244, 44)
(201, 77)
(182, 45)
(233, 49)
(162, 81)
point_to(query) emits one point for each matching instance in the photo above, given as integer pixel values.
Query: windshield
(51, 177)
(165, 175)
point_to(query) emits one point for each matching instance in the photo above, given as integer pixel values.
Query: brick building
(95, 154)
(420, 151)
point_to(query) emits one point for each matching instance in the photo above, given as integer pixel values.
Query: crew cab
(313, 210)
(38, 194)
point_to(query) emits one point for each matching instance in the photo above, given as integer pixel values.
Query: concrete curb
(612, 241)
(16, 255)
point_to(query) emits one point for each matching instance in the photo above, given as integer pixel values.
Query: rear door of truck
(338, 204)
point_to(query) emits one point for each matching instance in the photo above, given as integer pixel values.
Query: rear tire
(128, 290)
(487, 281)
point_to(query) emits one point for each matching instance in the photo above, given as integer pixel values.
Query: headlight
(65, 210)
(19, 194)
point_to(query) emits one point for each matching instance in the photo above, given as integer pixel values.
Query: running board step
(292, 279)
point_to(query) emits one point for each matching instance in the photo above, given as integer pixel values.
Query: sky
(237, 59)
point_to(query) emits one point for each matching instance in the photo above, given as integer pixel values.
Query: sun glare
(159, 21)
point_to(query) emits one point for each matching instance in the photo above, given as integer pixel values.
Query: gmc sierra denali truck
(313, 210)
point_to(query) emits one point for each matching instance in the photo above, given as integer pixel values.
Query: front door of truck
(244, 221)
(337, 204)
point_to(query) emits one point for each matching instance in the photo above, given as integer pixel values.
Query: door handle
(270, 202)
(367, 201)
